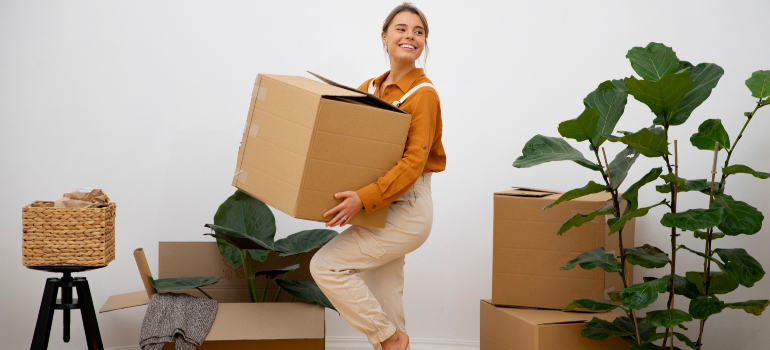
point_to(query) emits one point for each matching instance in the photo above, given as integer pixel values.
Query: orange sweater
(423, 151)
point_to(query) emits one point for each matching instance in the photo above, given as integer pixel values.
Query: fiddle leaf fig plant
(244, 228)
(672, 89)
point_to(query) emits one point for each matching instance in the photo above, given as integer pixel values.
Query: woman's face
(405, 38)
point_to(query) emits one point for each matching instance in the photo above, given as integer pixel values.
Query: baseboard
(357, 343)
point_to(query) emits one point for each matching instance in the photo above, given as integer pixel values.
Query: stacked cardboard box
(239, 324)
(527, 255)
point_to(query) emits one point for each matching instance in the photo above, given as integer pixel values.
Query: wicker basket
(67, 236)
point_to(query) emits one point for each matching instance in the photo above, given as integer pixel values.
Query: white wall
(147, 100)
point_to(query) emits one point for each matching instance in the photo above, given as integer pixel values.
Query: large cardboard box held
(305, 140)
(527, 252)
(239, 324)
(509, 328)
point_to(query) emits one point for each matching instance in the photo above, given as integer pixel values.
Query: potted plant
(672, 89)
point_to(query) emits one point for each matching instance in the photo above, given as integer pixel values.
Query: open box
(527, 252)
(239, 324)
(305, 140)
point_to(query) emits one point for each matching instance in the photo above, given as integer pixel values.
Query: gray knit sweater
(177, 317)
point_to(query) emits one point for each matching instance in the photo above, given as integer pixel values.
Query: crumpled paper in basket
(94, 199)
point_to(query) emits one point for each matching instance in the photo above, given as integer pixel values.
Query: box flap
(241, 321)
(313, 86)
(550, 317)
(527, 192)
(123, 301)
(539, 193)
(370, 99)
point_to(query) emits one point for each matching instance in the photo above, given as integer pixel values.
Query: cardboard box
(239, 324)
(508, 328)
(305, 140)
(527, 252)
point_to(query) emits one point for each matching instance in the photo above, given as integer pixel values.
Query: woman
(361, 270)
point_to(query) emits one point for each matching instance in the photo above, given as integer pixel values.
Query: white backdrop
(147, 100)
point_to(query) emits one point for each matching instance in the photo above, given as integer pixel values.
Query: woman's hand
(345, 210)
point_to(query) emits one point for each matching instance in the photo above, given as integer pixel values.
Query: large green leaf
(712, 259)
(663, 96)
(590, 304)
(621, 164)
(249, 216)
(641, 295)
(683, 338)
(741, 266)
(705, 77)
(742, 169)
(542, 149)
(685, 288)
(740, 218)
(183, 283)
(704, 306)
(580, 219)
(699, 185)
(754, 307)
(598, 329)
(646, 330)
(694, 219)
(304, 241)
(617, 224)
(654, 61)
(610, 100)
(667, 318)
(276, 272)
(595, 258)
(306, 291)
(671, 178)
(590, 188)
(719, 283)
(647, 256)
(645, 142)
(632, 193)
(704, 235)
(710, 132)
(237, 239)
(581, 128)
(759, 84)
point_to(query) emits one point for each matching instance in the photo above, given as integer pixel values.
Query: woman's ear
(384, 41)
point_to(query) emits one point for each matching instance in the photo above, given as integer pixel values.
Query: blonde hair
(406, 7)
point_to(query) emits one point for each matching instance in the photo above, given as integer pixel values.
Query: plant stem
(296, 257)
(264, 294)
(252, 296)
(616, 204)
(673, 185)
(706, 262)
(253, 282)
(204, 293)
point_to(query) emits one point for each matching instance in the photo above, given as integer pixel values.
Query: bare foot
(398, 341)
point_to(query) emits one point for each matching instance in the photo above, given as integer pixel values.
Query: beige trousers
(361, 270)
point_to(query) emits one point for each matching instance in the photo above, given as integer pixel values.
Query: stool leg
(66, 299)
(93, 337)
(45, 315)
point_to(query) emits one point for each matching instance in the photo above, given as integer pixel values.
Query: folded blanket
(182, 318)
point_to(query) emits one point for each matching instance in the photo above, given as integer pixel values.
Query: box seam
(309, 155)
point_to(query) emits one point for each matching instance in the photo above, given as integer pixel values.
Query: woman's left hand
(345, 210)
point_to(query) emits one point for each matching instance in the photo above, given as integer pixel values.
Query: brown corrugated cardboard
(509, 328)
(305, 140)
(238, 325)
(527, 252)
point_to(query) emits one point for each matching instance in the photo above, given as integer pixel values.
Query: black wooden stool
(66, 303)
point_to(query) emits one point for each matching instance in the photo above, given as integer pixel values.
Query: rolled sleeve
(424, 108)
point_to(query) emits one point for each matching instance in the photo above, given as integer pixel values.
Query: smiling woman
(361, 271)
